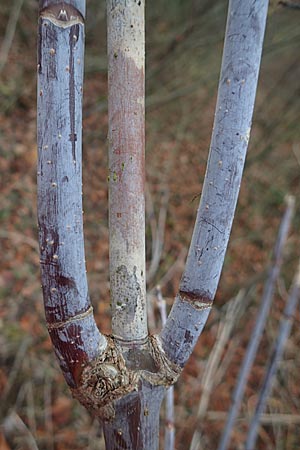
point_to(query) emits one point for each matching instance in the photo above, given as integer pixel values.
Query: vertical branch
(70, 321)
(126, 91)
(259, 324)
(229, 142)
(158, 236)
(169, 420)
(283, 334)
(10, 32)
(208, 379)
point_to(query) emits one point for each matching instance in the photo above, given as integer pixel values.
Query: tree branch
(283, 334)
(231, 131)
(70, 321)
(126, 136)
(10, 32)
(259, 324)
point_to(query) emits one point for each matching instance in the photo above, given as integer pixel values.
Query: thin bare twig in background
(31, 408)
(169, 274)
(19, 238)
(233, 344)
(283, 334)
(296, 151)
(10, 32)
(260, 323)
(169, 421)
(95, 437)
(48, 411)
(289, 4)
(19, 359)
(158, 231)
(208, 381)
(267, 419)
(13, 425)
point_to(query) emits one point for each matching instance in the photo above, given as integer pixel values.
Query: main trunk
(136, 424)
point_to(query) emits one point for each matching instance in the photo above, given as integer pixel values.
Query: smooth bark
(136, 424)
(122, 378)
(126, 137)
(68, 310)
(231, 131)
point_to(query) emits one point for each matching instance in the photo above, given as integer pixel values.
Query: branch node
(104, 380)
(198, 301)
(107, 379)
(168, 372)
(62, 15)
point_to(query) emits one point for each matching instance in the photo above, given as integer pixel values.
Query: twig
(19, 238)
(260, 323)
(10, 32)
(169, 426)
(95, 436)
(209, 377)
(158, 236)
(161, 304)
(172, 269)
(224, 333)
(47, 410)
(267, 419)
(15, 370)
(289, 4)
(296, 151)
(284, 331)
(151, 300)
(233, 346)
(12, 424)
(31, 410)
(151, 218)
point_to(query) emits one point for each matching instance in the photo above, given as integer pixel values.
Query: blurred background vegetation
(184, 48)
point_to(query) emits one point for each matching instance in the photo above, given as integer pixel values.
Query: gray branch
(229, 143)
(283, 334)
(70, 321)
(259, 324)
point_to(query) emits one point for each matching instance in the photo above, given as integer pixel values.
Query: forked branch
(123, 378)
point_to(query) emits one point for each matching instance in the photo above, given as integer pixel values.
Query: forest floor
(184, 52)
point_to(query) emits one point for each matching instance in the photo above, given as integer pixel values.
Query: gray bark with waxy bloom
(70, 321)
(229, 143)
(122, 378)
